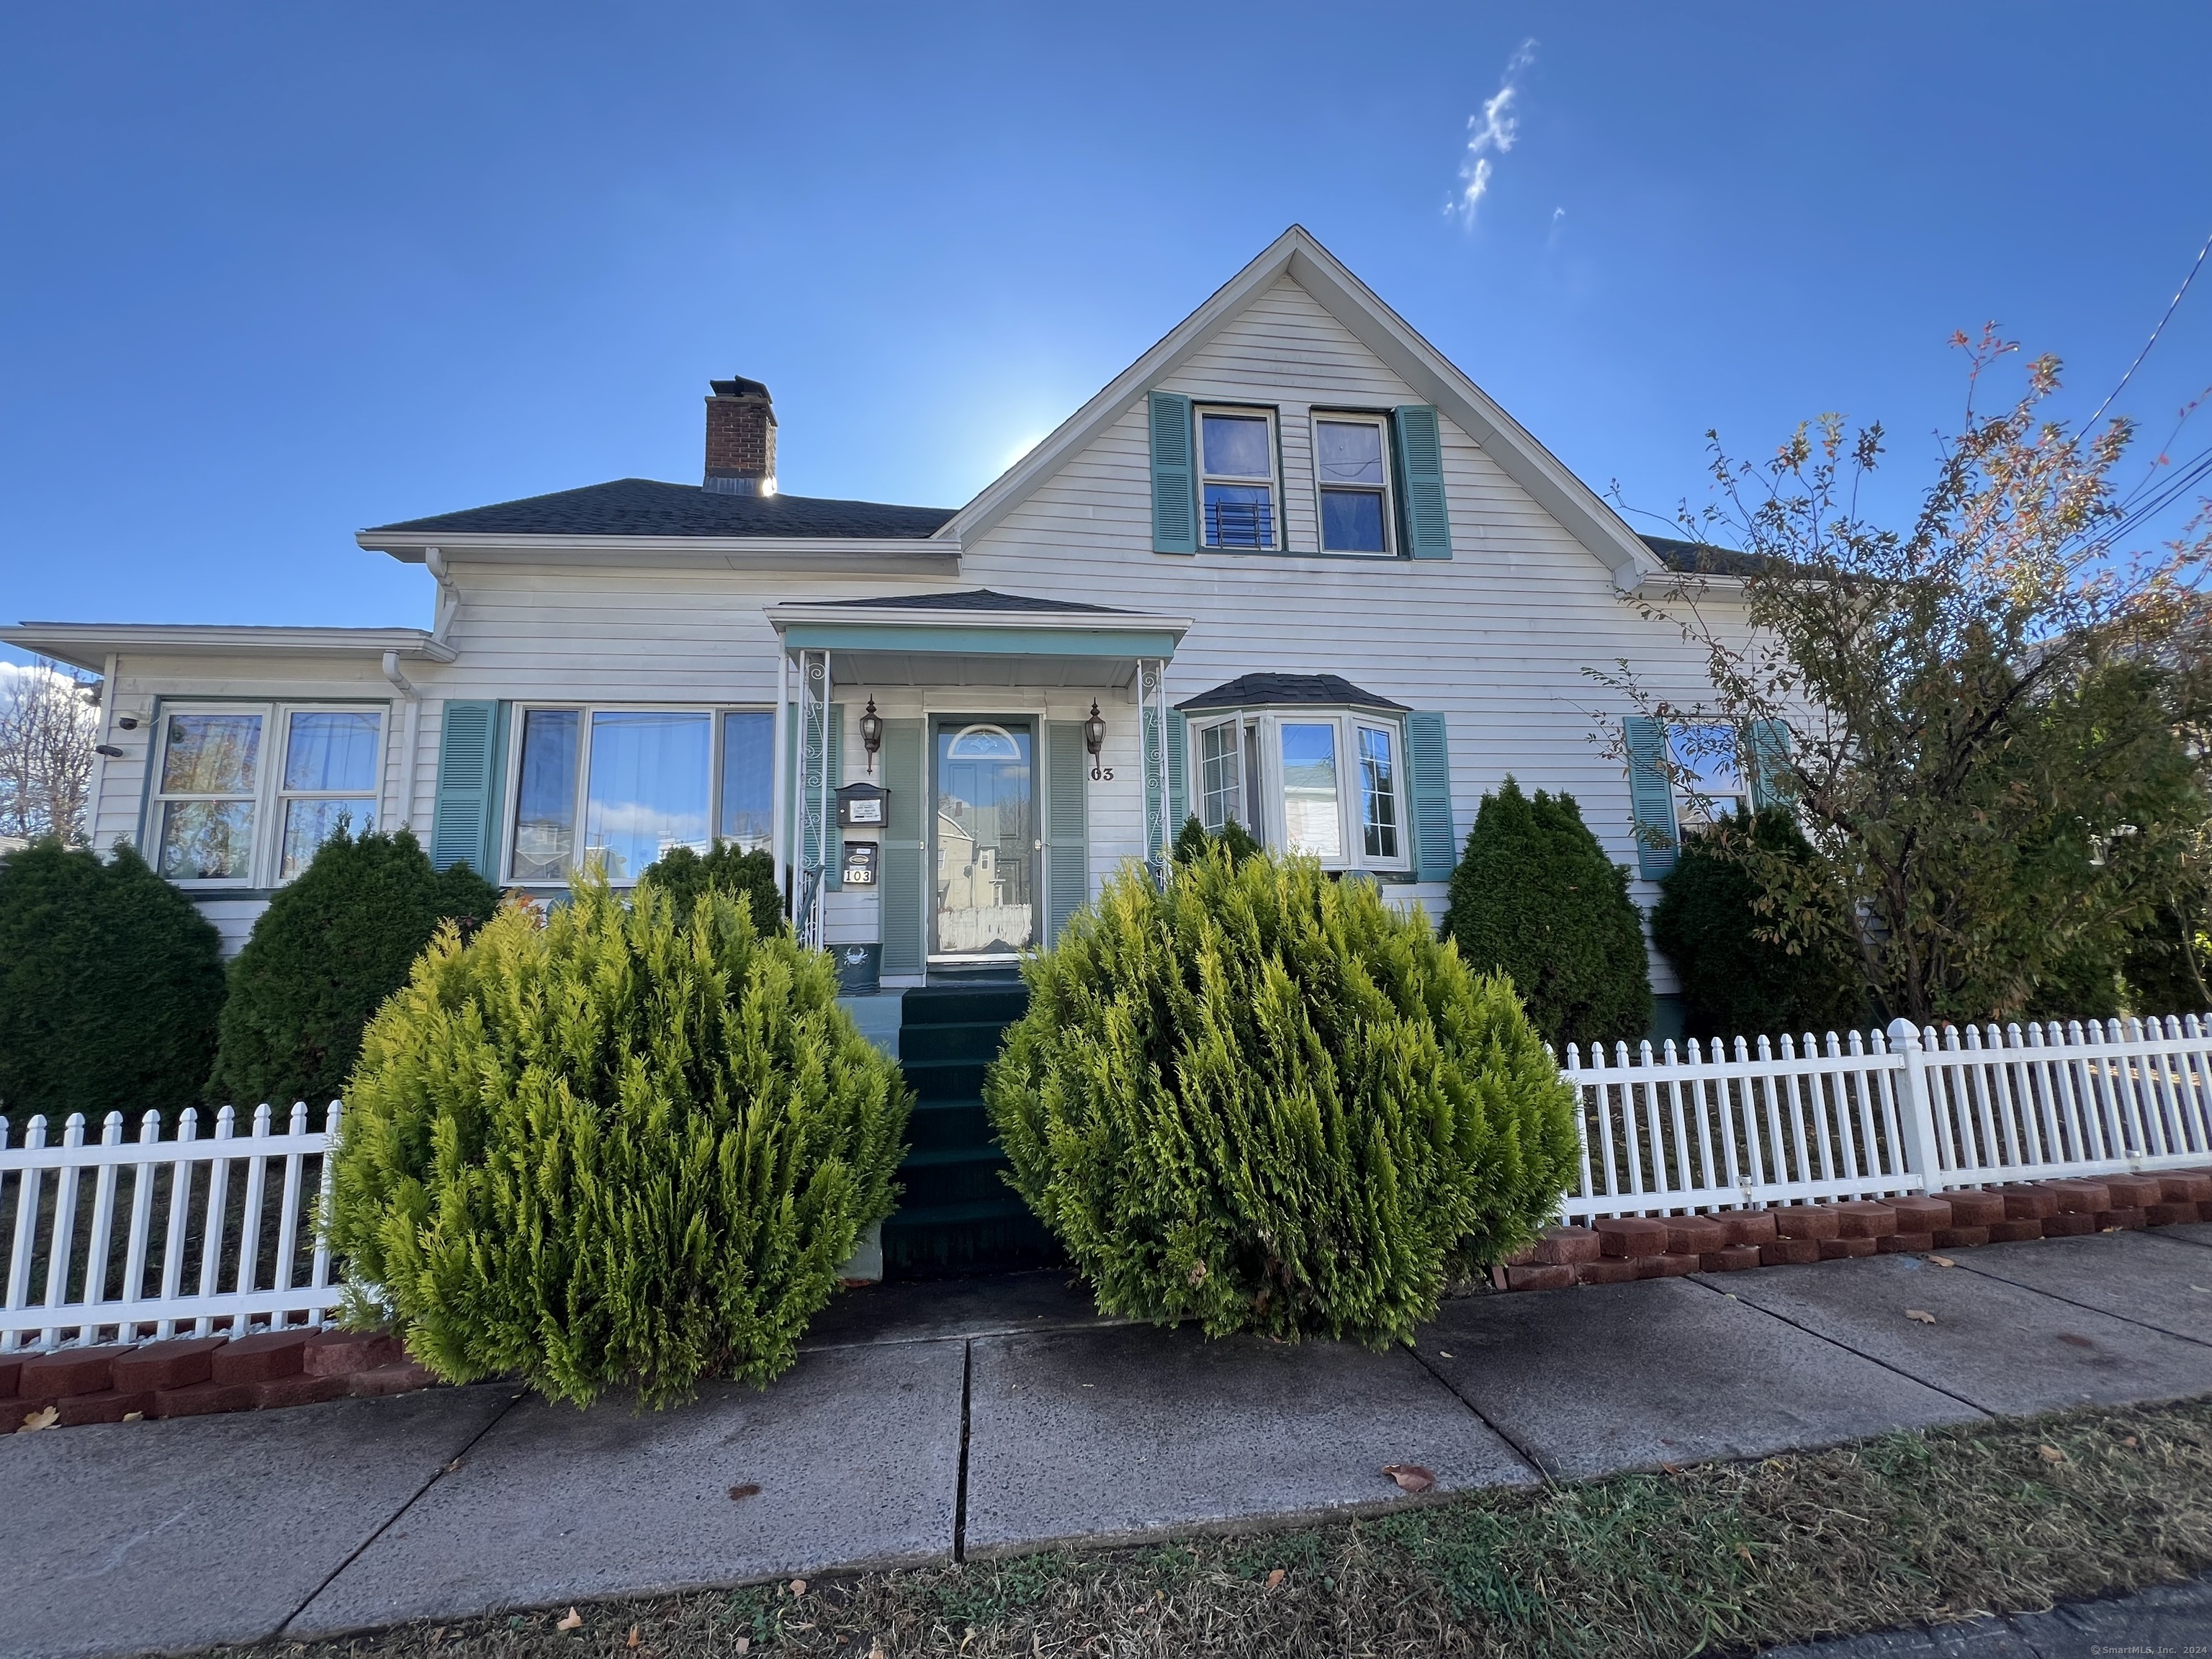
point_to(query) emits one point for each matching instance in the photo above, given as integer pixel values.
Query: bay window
(621, 786)
(1329, 783)
(223, 815)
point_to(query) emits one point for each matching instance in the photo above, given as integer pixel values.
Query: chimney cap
(738, 386)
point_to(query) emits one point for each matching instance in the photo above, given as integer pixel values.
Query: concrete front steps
(957, 1216)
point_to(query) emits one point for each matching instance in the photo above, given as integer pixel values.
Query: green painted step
(966, 1039)
(937, 1126)
(943, 1079)
(953, 1175)
(991, 1235)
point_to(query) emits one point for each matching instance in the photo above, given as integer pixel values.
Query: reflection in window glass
(1348, 463)
(331, 753)
(309, 823)
(1221, 794)
(1235, 447)
(1378, 794)
(1348, 452)
(207, 840)
(211, 754)
(748, 779)
(647, 790)
(1711, 755)
(1310, 821)
(546, 796)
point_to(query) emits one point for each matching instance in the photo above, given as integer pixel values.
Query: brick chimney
(740, 438)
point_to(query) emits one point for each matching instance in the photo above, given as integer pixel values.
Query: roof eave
(882, 554)
(89, 645)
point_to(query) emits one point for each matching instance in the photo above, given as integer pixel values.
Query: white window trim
(264, 865)
(1388, 491)
(510, 795)
(1274, 480)
(1273, 828)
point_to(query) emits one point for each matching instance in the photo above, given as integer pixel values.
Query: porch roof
(1272, 691)
(978, 637)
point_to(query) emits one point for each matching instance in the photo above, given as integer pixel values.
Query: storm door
(984, 839)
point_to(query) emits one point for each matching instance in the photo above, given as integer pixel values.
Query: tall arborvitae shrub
(1736, 983)
(1194, 838)
(111, 985)
(1535, 898)
(683, 875)
(331, 947)
(607, 1150)
(1264, 1101)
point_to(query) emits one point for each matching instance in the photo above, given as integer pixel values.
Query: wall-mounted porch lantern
(871, 733)
(1094, 737)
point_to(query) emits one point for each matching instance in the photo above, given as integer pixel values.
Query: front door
(984, 839)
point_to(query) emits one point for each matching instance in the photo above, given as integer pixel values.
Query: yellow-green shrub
(1263, 1100)
(606, 1150)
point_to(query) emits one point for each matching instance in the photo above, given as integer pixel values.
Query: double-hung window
(1238, 489)
(1351, 470)
(1709, 782)
(244, 794)
(621, 786)
(1329, 783)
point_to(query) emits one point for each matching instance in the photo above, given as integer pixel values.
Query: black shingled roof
(975, 599)
(1265, 690)
(1703, 559)
(646, 506)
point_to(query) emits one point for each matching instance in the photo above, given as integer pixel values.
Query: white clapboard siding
(1908, 1111)
(124, 1240)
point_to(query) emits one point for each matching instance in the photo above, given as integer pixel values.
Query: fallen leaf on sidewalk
(452, 1466)
(134, 1417)
(44, 1419)
(1275, 1578)
(1441, 1354)
(745, 1489)
(1943, 1261)
(573, 1621)
(1920, 1313)
(2050, 1453)
(1411, 1477)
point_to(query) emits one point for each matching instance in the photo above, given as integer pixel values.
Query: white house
(1291, 567)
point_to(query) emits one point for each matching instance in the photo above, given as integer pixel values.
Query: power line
(2196, 265)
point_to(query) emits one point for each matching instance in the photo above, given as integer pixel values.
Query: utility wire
(2195, 266)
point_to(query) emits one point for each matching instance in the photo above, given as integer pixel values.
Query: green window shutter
(1650, 795)
(1175, 478)
(900, 884)
(461, 822)
(1766, 762)
(1068, 871)
(1178, 772)
(1423, 521)
(1428, 763)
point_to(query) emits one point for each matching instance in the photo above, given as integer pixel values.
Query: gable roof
(1270, 690)
(647, 507)
(1704, 559)
(1296, 253)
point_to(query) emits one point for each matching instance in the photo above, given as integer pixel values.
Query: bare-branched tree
(1988, 723)
(46, 731)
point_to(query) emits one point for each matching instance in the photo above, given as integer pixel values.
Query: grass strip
(1722, 1558)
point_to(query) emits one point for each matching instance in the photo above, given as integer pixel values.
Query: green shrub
(2169, 962)
(1535, 898)
(606, 1150)
(749, 877)
(1735, 983)
(110, 984)
(331, 947)
(1193, 840)
(1262, 1100)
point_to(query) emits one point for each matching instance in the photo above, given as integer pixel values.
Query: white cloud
(1491, 132)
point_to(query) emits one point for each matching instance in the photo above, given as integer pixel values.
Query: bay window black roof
(1274, 690)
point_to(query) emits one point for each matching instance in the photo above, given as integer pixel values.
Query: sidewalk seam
(960, 1486)
(1522, 1452)
(2086, 1307)
(1872, 1359)
(390, 1521)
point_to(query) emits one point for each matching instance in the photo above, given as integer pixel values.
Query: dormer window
(1236, 449)
(1351, 470)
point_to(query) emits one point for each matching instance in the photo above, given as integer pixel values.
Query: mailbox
(860, 807)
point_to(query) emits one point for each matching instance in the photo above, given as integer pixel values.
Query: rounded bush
(683, 875)
(111, 986)
(1733, 982)
(332, 946)
(604, 1150)
(1535, 898)
(1262, 1100)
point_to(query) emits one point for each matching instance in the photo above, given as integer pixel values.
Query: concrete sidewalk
(926, 1422)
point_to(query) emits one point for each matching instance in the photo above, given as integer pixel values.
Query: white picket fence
(1908, 1111)
(188, 1240)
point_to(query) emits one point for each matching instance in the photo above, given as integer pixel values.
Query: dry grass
(1723, 1558)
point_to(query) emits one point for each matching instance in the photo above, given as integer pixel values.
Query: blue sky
(272, 274)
